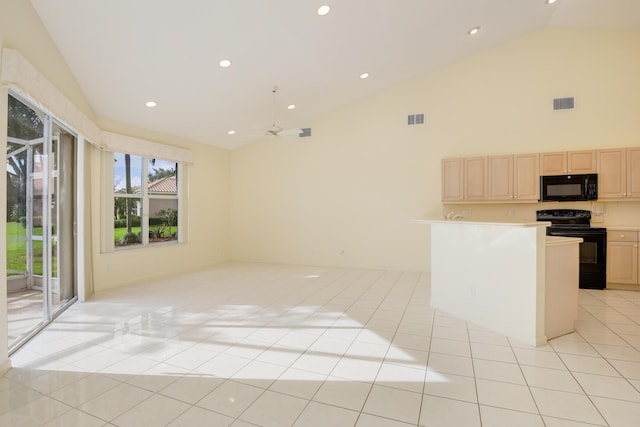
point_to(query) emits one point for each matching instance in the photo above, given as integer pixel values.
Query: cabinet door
(633, 173)
(452, 180)
(612, 175)
(500, 177)
(622, 262)
(581, 161)
(526, 180)
(553, 163)
(475, 178)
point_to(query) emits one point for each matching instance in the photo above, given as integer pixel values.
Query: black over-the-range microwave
(568, 188)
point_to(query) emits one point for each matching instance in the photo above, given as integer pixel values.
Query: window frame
(110, 195)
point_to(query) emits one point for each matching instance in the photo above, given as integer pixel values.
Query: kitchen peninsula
(506, 276)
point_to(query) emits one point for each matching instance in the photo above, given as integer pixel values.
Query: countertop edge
(561, 240)
(506, 222)
(617, 227)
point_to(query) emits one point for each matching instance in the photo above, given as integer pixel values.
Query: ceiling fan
(276, 130)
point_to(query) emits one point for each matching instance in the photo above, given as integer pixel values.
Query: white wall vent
(415, 119)
(564, 103)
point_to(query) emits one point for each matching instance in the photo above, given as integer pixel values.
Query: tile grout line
(426, 368)
(305, 352)
(475, 379)
(265, 390)
(380, 367)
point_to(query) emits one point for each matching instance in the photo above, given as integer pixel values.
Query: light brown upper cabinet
(565, 162)
(553, 163)
(526, 179)
(633, 173)
(500, 177)
(452, 180)
(475, 178)
(516, 177)
(513, 177)
(619, 173)
(464, 179)
(494, 178)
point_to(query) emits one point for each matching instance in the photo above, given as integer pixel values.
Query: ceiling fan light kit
(276, 130)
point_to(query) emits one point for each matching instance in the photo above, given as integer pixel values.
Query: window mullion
(144, 220)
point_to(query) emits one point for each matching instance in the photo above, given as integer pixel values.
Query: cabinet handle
(622, 236)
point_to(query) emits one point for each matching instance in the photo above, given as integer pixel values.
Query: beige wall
(364, 174)
(208, 220)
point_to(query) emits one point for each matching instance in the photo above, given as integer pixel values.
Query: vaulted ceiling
(124, 53)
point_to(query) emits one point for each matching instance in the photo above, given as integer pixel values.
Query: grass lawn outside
(119, 232)
(17, 248)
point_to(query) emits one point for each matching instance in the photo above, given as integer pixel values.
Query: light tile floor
(24, 313)
(269, 345)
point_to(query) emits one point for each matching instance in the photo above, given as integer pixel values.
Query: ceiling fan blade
(276, 130)
(290, 132)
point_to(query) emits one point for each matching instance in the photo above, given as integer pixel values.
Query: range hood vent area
(564, 103)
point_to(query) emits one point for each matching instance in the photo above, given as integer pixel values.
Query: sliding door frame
(50, 176)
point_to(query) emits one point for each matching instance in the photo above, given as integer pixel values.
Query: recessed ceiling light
(231, 132)
(364, 75)
(323, 10)
(151, 104)
(291, 107)
(550, 1)
(474, 31)
(225, 63)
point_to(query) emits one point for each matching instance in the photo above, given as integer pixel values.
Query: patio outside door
(39, 220)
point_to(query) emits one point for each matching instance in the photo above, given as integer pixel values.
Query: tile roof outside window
(163, 185)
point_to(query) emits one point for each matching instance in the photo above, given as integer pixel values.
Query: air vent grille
(564, 103)
(415, 119)
(305, 132)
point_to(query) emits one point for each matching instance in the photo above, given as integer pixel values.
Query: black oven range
(593, 249)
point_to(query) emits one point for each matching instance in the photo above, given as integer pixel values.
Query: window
(146, 198)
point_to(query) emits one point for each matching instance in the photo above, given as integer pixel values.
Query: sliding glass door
(40, 220)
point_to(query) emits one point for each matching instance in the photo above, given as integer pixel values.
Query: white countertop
(617, 228)
(511, 222)
(517, 222)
